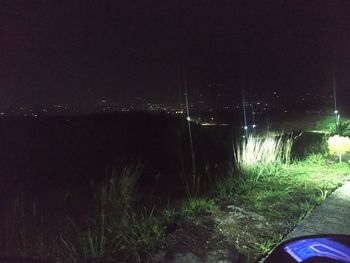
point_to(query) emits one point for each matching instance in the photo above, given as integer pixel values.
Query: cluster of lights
(246, 127)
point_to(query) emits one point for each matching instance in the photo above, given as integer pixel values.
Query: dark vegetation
(68, 151)
(53, 168)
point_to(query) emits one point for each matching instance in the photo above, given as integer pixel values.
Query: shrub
(338, 145)
(328, 124)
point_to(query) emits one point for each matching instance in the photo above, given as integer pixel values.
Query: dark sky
(80, 51)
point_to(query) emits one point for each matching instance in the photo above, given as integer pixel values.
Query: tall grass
(116, 228)
(112, 227)
(206, 177)
(255, 156)
(22, 229)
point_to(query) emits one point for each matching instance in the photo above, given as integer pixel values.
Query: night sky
(77, 52)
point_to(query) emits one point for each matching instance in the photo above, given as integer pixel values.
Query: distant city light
(188, 118)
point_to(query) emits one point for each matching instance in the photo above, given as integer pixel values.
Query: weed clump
(199, 206)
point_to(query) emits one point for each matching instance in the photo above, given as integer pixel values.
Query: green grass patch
(266, 244)
(199, 206)
(288, 193)
(283, 198)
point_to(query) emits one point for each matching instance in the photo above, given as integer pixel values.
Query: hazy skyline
(80, 51)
